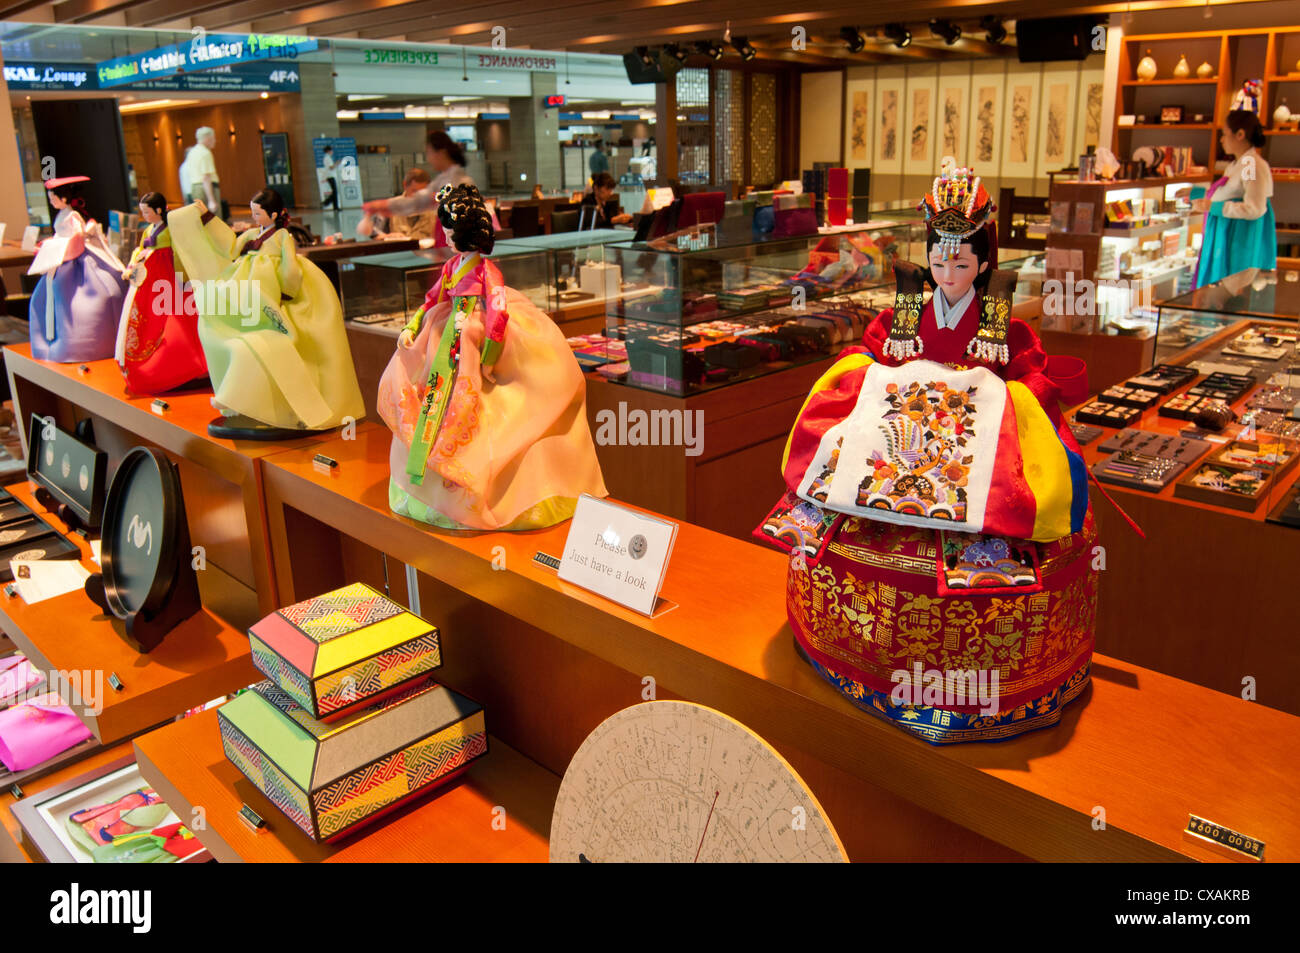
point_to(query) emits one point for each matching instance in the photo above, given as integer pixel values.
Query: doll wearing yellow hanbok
(270, 323)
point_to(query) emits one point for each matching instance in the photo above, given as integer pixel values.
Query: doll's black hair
(273, 205)
(1243, 120)
(156, 201)
(71, 192)
(467, 220)
(980, 247)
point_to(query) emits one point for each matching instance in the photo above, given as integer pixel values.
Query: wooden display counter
(735, 478)
(549, 661)
(185, 764)
(221, 479)
(1111, 358)
(202, 658)
(1206, 596)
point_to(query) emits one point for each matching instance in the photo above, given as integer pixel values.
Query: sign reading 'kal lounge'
(242, 77)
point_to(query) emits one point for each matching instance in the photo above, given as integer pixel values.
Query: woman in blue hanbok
(1240, 232)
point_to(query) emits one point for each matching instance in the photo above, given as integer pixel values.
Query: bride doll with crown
(937, 503)
(485, 399)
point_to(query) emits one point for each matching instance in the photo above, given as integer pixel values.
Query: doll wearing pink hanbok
(485, 400)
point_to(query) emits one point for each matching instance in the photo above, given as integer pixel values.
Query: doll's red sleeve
(873, 339)
(1028, 365)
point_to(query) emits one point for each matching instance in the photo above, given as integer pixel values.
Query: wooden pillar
(666, 129)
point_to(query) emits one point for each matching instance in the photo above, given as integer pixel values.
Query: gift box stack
(349, 724)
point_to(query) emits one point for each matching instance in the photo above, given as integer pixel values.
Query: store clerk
(602, 196)
(448, 163)
(1240, 231)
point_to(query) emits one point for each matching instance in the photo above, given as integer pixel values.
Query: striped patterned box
(331, 779)
(344, 650)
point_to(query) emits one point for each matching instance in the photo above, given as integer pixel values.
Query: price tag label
(617, 553)
(1224, 839)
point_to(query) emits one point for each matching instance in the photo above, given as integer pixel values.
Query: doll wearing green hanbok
(270, 324)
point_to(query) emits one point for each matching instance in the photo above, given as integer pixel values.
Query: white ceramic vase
(1146, 68)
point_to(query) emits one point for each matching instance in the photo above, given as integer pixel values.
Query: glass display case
(385, 290)
(554, 272)
(715, 306)
(1189, 318)
(574, 277)
(1134, 241)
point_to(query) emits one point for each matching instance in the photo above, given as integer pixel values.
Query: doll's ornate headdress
(957, 207)
(955, 210)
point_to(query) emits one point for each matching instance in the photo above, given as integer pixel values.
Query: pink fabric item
(32, 733)
(16, 676)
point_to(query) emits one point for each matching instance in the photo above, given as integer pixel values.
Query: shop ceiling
(611, 27)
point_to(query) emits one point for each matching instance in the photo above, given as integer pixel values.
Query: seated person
(416, 224)
(602, 196)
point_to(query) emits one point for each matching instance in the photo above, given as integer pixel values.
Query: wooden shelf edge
(105, 652)
(845, 737)
(179, 761)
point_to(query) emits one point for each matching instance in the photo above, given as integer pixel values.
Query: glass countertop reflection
(1251, 293)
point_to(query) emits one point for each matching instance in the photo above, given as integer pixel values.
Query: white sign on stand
(617, 553)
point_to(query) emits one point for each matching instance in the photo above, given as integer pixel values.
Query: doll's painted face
(149, 215)
(58, 201)
(260, 216)
(954, 276)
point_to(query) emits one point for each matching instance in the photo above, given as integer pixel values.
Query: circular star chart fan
(672, 781)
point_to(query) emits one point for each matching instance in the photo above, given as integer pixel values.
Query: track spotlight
(852, 39)
(899, 34)
(742, 46)
(708, 48)
(676, 52)
(993, 29)
(644, 53)
(946, 30)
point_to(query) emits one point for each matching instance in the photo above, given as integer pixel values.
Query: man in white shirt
(205, 184)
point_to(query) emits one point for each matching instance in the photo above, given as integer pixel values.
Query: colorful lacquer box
(331, 779)
(343, 650)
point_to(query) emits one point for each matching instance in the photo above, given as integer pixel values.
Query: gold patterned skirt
(875, 617)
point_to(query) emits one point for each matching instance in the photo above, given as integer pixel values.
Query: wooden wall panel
(156, 153)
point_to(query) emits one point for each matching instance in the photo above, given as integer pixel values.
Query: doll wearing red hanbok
(939, 503)
(75, 308)
(485, 400)
(158, 345)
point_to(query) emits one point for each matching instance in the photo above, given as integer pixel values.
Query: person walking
(599, 162)
(201, 167)
(331, 179)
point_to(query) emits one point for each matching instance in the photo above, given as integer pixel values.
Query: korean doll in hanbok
(270, 324)
(1240, 231)
(158, 345)
(937, 503)
(485, 400)
(74, 311)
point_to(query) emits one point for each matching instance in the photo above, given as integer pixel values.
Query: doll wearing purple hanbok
(75, 309)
